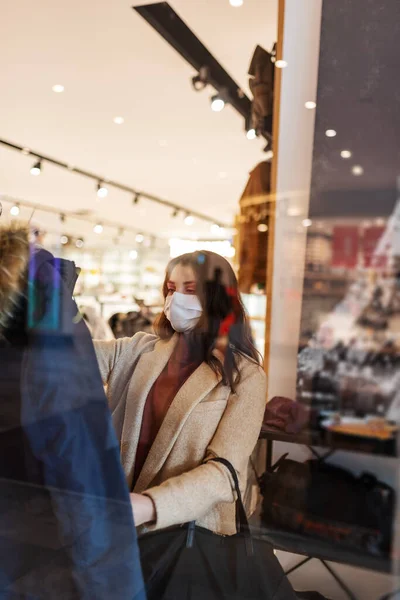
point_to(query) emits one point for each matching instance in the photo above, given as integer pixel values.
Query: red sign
(371, 237)
(345, 247)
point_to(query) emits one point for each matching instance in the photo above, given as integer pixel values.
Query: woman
(193, 391)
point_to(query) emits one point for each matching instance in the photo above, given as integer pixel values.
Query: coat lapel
(148, 369)
(193, 391)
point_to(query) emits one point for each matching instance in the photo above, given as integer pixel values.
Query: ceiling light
(98, 228)
(281, 64)
(139, 238)
(345, 154)
(262, 227)
(58, 88)
(36, 169)
(236, 3)
(79, 243)
(251, 134)
(310, 104)
(64, 240)
(293, 211)
(102, 191)
(189, 220)
(357, 170)
(119, 120)
(330, 133)
(15, 210)
(133, 254)
(306, 222)
(217, 103)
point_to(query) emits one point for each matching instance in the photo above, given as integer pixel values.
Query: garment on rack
(99, 329)
(126, 325)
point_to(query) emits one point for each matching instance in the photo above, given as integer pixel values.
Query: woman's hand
(143, 509)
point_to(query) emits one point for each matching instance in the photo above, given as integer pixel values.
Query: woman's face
(182, 280)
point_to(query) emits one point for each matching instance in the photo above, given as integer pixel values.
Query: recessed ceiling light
(345, 154)
(133, 254)
(98, 228)
(251, 134)
(310, 104)
(262, 227)
(357, 170)
(119, 120)
(236, 3)
(330, 133)
(58, 88)
(64, 240)
(139, 238)
(79, 243)
(281, 64)
(294, 211)
(306, 222)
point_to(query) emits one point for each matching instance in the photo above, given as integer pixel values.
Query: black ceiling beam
(162, 17)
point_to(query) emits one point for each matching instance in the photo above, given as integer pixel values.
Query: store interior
(122, 150)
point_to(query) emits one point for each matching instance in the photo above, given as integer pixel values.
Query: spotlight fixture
(281, 64)
(79, 243)
(189, 220)
(200, 81)
(251, 134)
(37, 168)
(175, 213)
(236, 3)
(345, 154)
(119, 120)
(102, 191)
(136, 199)
(217, 103)
(330, 133)
(357, 170)
(133, 254)
(310, 105)
(58, 88)
(306, 222)
(98, 228)
(15, 210)
(64, 240)
(139, 238)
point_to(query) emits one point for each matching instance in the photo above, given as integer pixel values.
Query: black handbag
(192, 563)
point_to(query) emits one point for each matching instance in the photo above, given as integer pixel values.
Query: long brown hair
(223, 316)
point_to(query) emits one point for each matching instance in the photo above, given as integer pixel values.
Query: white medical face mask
(183, 311)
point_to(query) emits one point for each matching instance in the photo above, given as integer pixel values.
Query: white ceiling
(112, 63)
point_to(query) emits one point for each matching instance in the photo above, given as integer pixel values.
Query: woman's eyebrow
(188, 282)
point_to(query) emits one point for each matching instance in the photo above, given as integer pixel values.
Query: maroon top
(178, 369)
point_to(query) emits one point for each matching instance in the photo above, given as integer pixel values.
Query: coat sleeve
(108, 352)
(191, 495)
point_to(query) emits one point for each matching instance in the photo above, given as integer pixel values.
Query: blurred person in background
(66, 527)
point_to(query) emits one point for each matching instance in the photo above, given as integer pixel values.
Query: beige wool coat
(205, 420)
